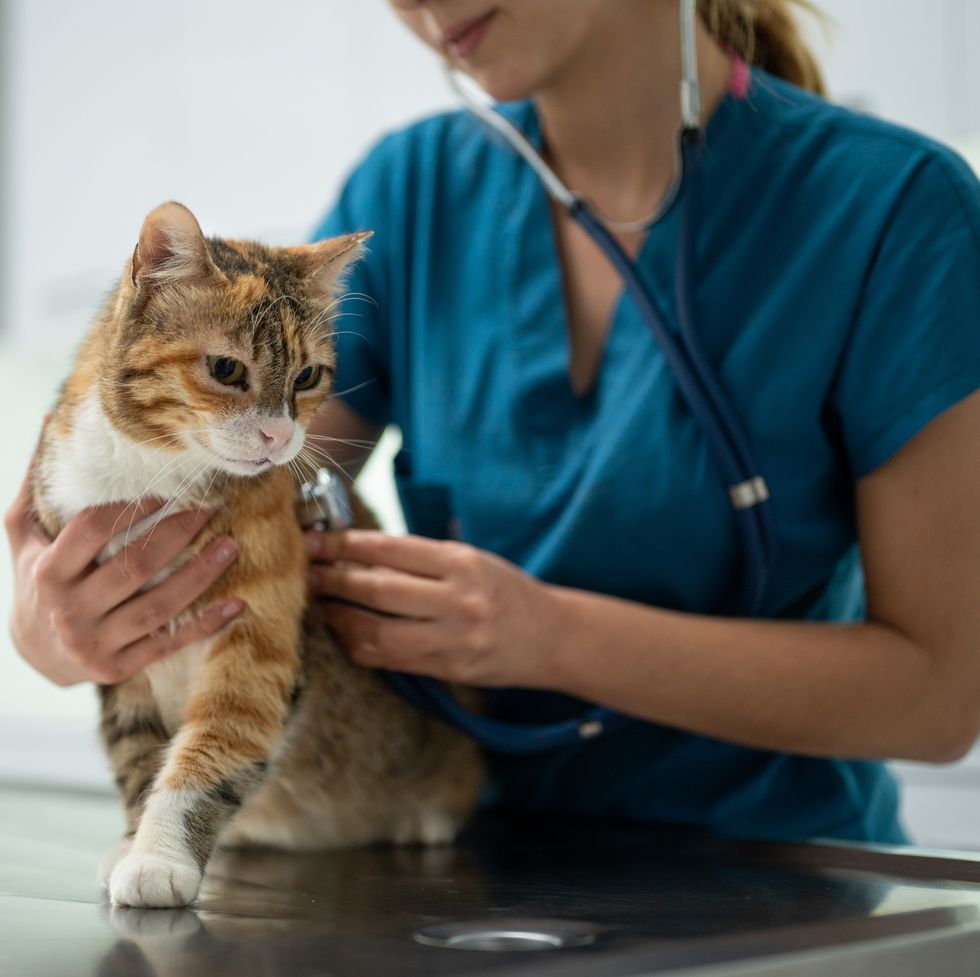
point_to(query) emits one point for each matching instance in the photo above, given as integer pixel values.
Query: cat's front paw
(425, 828)
(152, 881)
(111, 859)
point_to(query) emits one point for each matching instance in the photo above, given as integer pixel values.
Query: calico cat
(196, 384)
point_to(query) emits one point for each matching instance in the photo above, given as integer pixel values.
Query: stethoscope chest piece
(324, 502)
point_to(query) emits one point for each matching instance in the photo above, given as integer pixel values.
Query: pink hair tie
(738, 83)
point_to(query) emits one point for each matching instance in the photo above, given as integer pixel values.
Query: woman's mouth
(462, 39)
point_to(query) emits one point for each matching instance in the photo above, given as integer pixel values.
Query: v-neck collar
(536, 305)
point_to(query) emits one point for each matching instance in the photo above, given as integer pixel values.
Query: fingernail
(231, 607)
(226, 551)
(313, 544)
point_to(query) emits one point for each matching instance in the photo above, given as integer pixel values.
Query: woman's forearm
(850, 690)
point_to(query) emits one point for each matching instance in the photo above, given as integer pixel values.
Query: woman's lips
(463, 39)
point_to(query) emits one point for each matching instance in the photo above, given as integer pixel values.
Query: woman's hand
(74, 621)
(435, 608)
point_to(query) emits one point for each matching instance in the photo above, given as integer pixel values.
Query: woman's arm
(904, 684)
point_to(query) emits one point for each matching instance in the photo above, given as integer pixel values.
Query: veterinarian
(586, 550)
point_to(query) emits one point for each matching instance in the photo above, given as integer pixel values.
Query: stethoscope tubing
(695, 378)
(702, 392)
(697, 382)
(756, 522)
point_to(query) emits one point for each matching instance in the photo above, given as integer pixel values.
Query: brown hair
(765, 33)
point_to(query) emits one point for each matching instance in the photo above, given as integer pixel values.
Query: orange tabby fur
(265, 733)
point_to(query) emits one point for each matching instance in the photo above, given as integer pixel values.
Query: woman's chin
(499, 84)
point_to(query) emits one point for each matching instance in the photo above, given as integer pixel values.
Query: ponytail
(765, 33)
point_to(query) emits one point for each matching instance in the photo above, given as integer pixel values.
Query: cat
(196, 384)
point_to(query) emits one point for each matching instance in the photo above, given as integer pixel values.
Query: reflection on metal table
(629, 900)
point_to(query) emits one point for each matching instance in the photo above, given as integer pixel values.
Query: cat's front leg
(233, 725)
(135, 740)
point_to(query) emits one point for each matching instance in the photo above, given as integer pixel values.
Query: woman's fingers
(380, 589)
(20, 521)
(139, 562)
(83, 538)
(411, 554)
(164, 641)
(384, 642)
(147, 613)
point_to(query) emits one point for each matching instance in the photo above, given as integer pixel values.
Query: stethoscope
(697, 383)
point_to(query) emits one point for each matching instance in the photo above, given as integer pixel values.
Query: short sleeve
(914, 347)
(362, 336)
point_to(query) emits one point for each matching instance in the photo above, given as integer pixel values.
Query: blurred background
(251, 112)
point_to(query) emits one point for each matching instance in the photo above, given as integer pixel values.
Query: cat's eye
(308, 378)
(226, 370)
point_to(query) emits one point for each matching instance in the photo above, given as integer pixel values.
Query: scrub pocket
(427, 506)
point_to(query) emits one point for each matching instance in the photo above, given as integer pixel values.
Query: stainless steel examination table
(623, 900)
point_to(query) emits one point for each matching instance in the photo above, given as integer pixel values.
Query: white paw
(111, 859)
(426, 828)
(153, 881)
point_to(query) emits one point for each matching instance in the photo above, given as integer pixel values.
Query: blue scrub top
(839, 299)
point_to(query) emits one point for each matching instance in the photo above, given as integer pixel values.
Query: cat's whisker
(207, 491)
(349, 390)
(171, 503)
(316, 454)
(170, 465)
(322, 459)
(173, 434)
(297, 472)
(263, 310)
(183, 487)
(349, 332)
(317, 461)
(354, 296)
(313, 334)
(329, 315)
(351, 441)
(139, 444)
(134, 505)
(312, 450)
(341, 315)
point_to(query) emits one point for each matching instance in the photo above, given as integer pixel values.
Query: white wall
(250, 112)
(908, 60)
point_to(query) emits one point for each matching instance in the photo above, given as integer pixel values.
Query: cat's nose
(276, 433)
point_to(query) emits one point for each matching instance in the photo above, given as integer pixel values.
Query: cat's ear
(171, 250)
(323, 264)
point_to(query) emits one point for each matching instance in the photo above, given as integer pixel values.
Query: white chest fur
(172, 680)
(95, 464)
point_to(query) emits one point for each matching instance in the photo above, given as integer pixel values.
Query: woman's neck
(610, 118)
